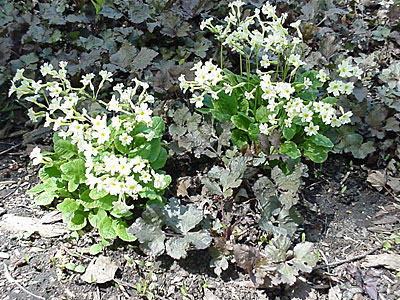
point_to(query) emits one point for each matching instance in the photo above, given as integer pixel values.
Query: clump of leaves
(276, 264)
(277, 200)
(192, 132)
(172, 229)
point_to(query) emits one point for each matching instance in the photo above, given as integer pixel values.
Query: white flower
(322, 76)
(54, 90)
(36, 156)
(63, 64)
(105, 75)
(125, 167)
(111, 164)
(138, 164)
(31, 115)
(307, 82)
(335, 87)
(159, 181)
(143, 114)
(284, 89)
(264, 128)
(113, 105)
(249, 95)
(132, 187)
(345, 118)
(311, 129)
(145, 177)
(18, 75)
(345, 69)
(268, 10)
(102, 135)
(306, 115)
(125, 139)
(46, 69)
(348, 87)
(295, 60)
(99, 123)
(87, 79)
(335, 122)
(116, 122)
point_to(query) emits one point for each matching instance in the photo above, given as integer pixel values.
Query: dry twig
(12, 280)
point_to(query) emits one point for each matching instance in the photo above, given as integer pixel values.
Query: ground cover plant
(202, 131)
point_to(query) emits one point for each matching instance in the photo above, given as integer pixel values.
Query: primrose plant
(107, 154)
(272, 93)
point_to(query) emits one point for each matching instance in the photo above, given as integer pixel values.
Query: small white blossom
(36, 156)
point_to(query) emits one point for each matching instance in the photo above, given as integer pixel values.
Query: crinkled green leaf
(147, 230)
(106, 228)
(45, 198)
(68, 205)
(182, 218)
(124, 57)
(144, 58)
(305, 257)
(290, 148)
(176, 247)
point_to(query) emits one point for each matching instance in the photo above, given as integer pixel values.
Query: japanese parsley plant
(107, 155)
(273, 94)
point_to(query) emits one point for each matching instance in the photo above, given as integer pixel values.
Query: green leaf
(45, 198)
(122, 233)
(144, 58)
(288, 133)
(262, 114)
(64, 148)
(97, 194)
(182, 218)
(241, 121)
(95, 249)
(225, 105)
(289, 148)
(96, 217)
(321, 140)
(161, 160)
(72, 186)
(80, 269)
(124, 57)
(158, 126)
(50, 185)
(239, 138)
(154, 150)
(75, 171)
(78, 220)
(330, 100)
(316, 153)
(47, 173)
(106, 228)
(68, 206)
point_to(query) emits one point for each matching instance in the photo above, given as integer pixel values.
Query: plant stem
(221, 56)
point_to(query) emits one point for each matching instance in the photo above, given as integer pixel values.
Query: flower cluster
(107, 140)
(280, 84)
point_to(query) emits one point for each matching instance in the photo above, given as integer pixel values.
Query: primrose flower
(322, 76)
(345, 69)
(335, 87)
(125, 139)
(105, 75)
(295, 60)
(159, 180)
(345, 117)
(36, 156)
(284, 89)
(311, 129)
(348, 88)
(46, 69)
(197, 100)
